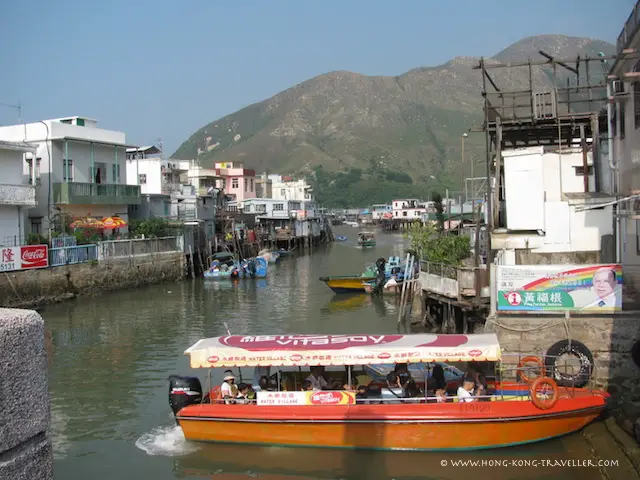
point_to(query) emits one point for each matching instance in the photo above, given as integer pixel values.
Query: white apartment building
(81, 170)
(408, 209)
(380, 211)
(285, 188)
(17, 191)
(545, 209)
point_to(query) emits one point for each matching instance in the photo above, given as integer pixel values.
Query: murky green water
(112, 356)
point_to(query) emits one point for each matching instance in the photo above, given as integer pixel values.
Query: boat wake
(165, 441)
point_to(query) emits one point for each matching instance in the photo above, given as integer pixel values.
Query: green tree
(428, 244)
(437, 199)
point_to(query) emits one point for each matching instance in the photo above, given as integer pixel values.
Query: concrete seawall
(25, 449)
(36, 287)
(610, 340)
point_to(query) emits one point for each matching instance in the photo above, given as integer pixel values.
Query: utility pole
(466, 192)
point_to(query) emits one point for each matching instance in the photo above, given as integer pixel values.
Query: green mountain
(353, 134)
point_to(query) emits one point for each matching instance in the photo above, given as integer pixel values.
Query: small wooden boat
(341, 238)
(269, 255)
(347, 283)
(380, 418)
(366, 239)
(222, 266)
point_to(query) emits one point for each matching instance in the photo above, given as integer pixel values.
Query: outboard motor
(183, 391)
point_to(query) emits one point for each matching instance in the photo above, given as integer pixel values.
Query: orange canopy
(87, 222)
(111, 223)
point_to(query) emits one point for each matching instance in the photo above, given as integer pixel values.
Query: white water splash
(165, 441)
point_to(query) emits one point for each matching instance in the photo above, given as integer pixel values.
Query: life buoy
(529, 359)
(568, 378)
(546, 403)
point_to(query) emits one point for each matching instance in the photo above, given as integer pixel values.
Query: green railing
(96, 193)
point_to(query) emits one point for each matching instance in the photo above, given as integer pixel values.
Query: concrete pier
(25, 449)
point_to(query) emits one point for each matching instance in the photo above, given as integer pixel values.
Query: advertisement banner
(333, 397)
(586, 288)
(24, 258)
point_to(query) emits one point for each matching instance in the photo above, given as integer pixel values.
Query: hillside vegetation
(361, 129)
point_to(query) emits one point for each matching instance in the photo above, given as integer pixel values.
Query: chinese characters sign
(587, 288)
(306, 398)
(23, 258)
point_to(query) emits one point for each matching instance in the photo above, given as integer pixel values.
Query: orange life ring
(530, 359)
(548, 403)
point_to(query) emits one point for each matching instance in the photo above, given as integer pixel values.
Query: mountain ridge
(342, 120)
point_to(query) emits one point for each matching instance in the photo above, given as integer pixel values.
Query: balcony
(18, 195)
(74, 193)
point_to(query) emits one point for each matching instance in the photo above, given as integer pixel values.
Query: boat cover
(352, 349)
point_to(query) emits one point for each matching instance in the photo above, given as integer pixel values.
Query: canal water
(112, 356)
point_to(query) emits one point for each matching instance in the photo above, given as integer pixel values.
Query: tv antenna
(17, 107)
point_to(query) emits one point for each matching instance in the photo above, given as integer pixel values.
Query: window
(34, 174)
(580, 170)
(252, 184)
(143, 179)
(80, 122)
(637, 237)
(283, 192)
(116, 173)
(36, 226)
(67, 170)
(278, 207)
(234, 183)
(622, 122)
(636, 99)
(404, 214)
(246, 185)
(396, 213)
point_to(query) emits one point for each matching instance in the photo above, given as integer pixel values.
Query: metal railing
(60, 242)
(72, 255)
(629, 30)
(124, 249)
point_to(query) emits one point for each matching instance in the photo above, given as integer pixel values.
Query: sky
(165, 68)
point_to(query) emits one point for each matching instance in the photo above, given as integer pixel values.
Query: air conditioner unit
(618, 86)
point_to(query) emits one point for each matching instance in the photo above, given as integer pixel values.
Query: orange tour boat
(382, 414)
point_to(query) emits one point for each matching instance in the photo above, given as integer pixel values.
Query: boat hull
(367, 244)
(346, 284)
(463, 428)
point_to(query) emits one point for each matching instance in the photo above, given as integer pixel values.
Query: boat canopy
(351, 349)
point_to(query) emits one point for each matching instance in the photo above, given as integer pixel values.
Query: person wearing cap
(228, 389)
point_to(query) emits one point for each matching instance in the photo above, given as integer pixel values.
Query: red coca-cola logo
(213, 359)
(306, 342)
(475, 353)
(34, 256)
(326, 398)
(384, 356)
(295, 358)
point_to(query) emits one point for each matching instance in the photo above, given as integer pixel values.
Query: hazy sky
(165, 68)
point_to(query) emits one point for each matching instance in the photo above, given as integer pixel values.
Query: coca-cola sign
(23, 258)
(34, 256)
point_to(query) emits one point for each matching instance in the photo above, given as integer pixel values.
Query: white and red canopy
(351, 349)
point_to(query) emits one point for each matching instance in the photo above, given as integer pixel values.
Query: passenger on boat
(243, 393)
(350, 388)
(476, 375)
(229, 389)
(306, 386)
(258, 373)
(465, 392)
(317, 379)
(438, 383)
(361, 392)
(406, 381)
(263, 384)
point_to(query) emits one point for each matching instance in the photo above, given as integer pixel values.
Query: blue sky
(165, 68)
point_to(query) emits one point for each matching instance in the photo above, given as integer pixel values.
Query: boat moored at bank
(379, 414)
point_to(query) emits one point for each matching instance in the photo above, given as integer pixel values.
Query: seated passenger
(351, 388)
(258, 373)
(465, 392)
(336, 384)
(263, 384)
(361, 392)
(228, 389)
(306, 386)
(438, 383)
(317, 379)
(243, 392)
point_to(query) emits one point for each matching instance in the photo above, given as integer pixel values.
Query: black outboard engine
(183, 391)
(251, 266)
(380, 277)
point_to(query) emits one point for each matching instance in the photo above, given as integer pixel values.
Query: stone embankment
(37, 287)
(25, 448)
